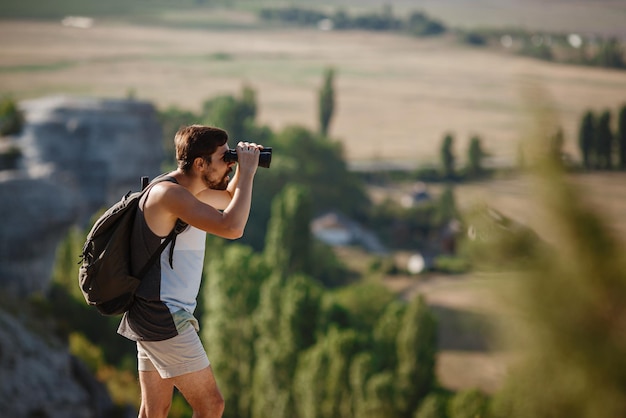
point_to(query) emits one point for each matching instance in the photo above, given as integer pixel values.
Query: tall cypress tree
(586, 139)
(447, 156)
(475, 155)
(288, 242)
(271, 397)
(621, 137)
(326, 101)
(231, 295)
(417, 349)
(604, 141)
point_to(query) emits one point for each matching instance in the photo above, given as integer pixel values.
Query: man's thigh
(156, 394)
(201, 391)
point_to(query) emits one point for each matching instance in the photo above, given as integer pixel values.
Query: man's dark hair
(197, 141)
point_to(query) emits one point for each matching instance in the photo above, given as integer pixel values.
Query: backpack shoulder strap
(178, 227)
(156, 254)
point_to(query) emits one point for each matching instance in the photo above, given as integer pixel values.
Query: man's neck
(189, 181)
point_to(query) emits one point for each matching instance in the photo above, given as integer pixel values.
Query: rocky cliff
(78, 155)
(41, 379)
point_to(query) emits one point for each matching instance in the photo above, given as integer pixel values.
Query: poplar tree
(475, 155)
(288, 240)
(271, 396)
(326, 101)
(231, 295)
(469, 403)
(604, 141)
(324, 378)
(586, 139)
(621, 137)
(447, 156)
(417, 349)
(285, 321)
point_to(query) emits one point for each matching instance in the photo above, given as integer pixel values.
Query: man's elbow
(233, 233)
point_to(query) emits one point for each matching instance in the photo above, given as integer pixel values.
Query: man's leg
(201, 392)
(156, 395)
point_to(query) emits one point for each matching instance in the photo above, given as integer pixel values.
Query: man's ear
(199, 163)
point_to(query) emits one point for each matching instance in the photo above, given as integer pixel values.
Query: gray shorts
(173, 357)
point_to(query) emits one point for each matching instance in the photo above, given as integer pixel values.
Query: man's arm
(227, 224)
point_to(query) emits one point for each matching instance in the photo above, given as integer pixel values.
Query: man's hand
(248, 156)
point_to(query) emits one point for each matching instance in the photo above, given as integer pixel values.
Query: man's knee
(155, 410)
(217, 403)
(213, 405)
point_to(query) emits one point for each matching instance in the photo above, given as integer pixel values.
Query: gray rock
(40, 378)
(78, 155)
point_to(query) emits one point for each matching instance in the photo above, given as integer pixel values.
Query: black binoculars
(265, 157)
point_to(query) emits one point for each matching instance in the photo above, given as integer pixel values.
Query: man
(201, 194)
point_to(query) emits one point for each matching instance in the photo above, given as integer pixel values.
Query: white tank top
(180, 285)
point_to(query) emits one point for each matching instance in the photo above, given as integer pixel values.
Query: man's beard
(217, 185)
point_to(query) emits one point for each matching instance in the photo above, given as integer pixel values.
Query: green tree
(604, 141)
(234, 114)
(172, 119)
(324, 376)
(610, 54)
(475, 156)
(380, 396)
(567, 313)
(470, 403)
(586, 139)
(234, 276)
(417, 349)
(556, 145)
(447, 156)
(289, 240)
(361, 369)
(65, 269)
(11, 117)
(326, 101)
(434, 405)
(621, 137)
(285, 323)
(319, 164)
(446, 209)
(385, 332)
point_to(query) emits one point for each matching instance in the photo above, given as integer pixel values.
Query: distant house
(417, 196)
(336, 229)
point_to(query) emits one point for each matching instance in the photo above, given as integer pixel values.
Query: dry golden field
(397, 96)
